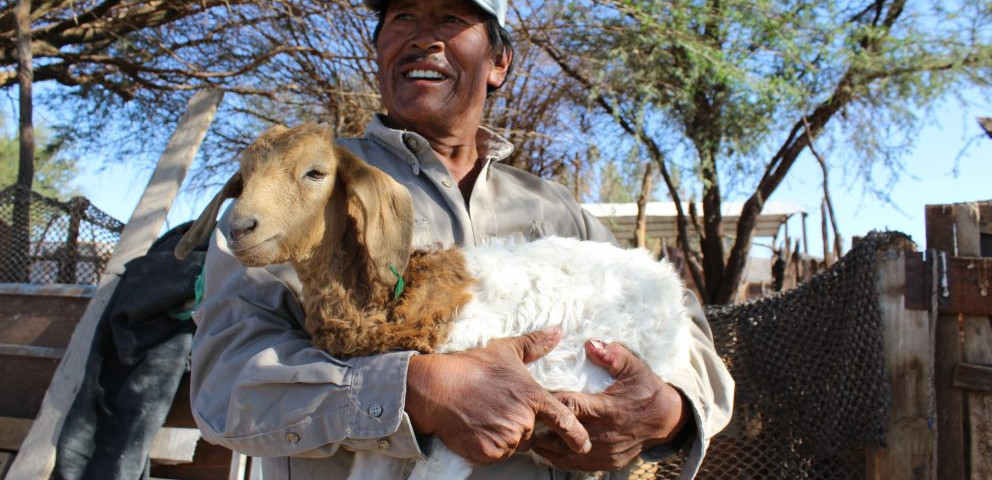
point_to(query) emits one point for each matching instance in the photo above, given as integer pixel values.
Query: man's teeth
(427, 74)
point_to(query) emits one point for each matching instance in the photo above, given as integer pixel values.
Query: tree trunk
(18, 258)
(711, 243)
(641, 232)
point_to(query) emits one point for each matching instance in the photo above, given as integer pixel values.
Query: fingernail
(586, 447)
(598, 344)
(552, 330)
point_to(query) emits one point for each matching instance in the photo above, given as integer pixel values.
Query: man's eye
(315, 175)
(454, 19)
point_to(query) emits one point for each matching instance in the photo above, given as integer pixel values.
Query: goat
(346, 227)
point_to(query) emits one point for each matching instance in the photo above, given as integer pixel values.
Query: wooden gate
(939, 350)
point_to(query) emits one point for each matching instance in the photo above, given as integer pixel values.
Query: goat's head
(296, 192)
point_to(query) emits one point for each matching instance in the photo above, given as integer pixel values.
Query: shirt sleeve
(258, 386)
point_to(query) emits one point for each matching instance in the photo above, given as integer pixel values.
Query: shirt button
(375, 410)
(446, 183)
(413, 143)
(293, 438)
(382, 444)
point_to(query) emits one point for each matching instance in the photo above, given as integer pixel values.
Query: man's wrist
(681, 442)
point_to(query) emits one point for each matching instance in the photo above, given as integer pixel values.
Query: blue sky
(939, 169)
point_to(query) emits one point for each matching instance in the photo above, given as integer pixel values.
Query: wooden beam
(911, 443)
(964, 283)
(12, 432)
(37, 458)
(969, 376)
(951, 464)
(32, 351)
(174, 446)
(977, 340)
(171, 446)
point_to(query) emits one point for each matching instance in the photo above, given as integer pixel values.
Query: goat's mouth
(253, 254)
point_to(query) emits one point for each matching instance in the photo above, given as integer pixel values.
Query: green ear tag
(400, 283)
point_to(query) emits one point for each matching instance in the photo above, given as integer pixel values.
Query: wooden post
(911, 447)
(36, 457)
(951, 463)
(977, 338)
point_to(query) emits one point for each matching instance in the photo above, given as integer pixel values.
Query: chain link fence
(47, 241)
(812, 394)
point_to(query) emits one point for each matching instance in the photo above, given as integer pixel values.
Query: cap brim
(378, 5)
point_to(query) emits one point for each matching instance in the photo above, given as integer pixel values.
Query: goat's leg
(441, 464)
(373, 466)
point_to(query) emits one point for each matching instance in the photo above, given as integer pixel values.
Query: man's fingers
(584, 405)
(535, 345)
(613, 357)
(562, 421)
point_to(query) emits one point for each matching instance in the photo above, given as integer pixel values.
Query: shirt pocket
(422, 237)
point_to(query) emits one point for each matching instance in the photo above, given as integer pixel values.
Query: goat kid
(346, 228)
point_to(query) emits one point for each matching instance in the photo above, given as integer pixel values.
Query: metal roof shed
(622, 217)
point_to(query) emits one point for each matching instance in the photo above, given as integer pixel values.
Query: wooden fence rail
(949, 352)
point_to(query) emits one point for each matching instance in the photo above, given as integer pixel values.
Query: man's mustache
(435, 59)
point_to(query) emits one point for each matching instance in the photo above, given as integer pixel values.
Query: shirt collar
(406, 144)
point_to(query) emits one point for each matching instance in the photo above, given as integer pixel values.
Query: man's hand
(635, 413)
(483, 402)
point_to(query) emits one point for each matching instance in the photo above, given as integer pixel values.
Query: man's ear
(499, 69)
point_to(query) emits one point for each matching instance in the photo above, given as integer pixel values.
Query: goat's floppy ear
(383, 213)
(204, 225)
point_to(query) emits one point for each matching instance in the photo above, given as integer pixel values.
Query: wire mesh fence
(811, 390)
(43, 240)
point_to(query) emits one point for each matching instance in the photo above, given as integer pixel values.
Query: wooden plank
(31, 351)
(911, 444)
(969, 376)
(38, 451)
(5, 459)
(174, 446)
(32, 376)
(968, 284)
(977, 347)
(48, 290)
(239, 464)
(170, 446)
(12, 432)
(951, 444)
(917, 276)
(39, 320)
(210, 462)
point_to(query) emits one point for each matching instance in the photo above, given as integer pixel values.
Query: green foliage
(53, 171)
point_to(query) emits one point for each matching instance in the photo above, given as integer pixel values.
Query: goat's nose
(242, 226)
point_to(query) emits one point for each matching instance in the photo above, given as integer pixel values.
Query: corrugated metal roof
(621, 217)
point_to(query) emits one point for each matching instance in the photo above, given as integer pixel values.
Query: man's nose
(427, 38)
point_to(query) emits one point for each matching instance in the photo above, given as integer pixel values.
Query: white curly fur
(591, 291)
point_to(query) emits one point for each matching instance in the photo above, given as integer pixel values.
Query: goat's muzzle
(240, 227)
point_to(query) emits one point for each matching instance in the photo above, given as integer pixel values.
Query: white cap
(496, 8)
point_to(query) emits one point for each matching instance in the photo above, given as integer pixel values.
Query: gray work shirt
(260, 388)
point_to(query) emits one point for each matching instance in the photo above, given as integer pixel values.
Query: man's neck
(456, 147)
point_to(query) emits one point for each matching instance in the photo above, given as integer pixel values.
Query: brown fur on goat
(352, 226)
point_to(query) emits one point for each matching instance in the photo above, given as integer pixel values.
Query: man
(261, 389)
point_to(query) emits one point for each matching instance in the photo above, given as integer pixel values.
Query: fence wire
(47, 241)
(812, 393)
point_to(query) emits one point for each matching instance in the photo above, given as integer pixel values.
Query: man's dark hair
(499, 39)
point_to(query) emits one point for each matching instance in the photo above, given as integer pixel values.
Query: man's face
(435, 62)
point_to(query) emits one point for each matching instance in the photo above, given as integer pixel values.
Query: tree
(750, 85)
(53, 171)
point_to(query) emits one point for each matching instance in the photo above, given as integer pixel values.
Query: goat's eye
(316, 175)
